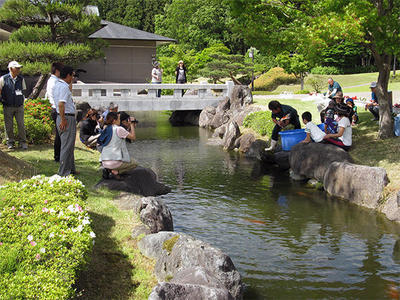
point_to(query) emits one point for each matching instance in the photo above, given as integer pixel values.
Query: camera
(133, 120)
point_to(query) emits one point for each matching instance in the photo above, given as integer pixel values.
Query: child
(354, 118)
(342, 138)
(312, 130)
(329, 118)
(287, 115)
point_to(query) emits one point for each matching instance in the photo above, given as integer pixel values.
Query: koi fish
(393, 292)
(255, 221)
(301, 194)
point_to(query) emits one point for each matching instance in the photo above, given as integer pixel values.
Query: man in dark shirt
(287, 115)
(333, 88)
(373, 106)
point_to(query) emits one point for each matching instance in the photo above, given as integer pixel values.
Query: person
(343, 138)
(111, 108)
(354, 118)
(314, 133)
(55, 75)
(12, 86)
(125, 121)
(373, 105)
(287, 115)
(66, 123)
(156, 76)
(333, 88)
(89, 129)
(180, 74)
(114, 155)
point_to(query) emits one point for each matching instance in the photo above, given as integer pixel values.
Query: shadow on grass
(108, 275)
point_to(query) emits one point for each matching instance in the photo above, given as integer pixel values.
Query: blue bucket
(321, 126)
(290, 138)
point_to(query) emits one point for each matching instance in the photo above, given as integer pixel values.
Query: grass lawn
(367, 149)
(117, 269)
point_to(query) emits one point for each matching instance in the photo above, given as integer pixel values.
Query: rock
(361, 185)
(241, 96)
(391, 207)
(176, 253)
(313, 159)
(139, 230)
(185, 117)
(206, 116)
(281, 158)
(230, 136)
(256, 149)
(220, 131)
(154, 213)
(239, 115)
(141, 181)
(198, 276)
(174, 291)
(219, 119)
(296, 177)
(126, 201)
(244, 142)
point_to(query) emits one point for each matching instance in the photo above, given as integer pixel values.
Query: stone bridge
(142, 97)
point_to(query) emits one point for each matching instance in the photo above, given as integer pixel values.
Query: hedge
(45, 237)
(260, 122)
(272, 79)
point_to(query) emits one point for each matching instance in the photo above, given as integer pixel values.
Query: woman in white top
(156, 76)
(115, 156)
(343, 138)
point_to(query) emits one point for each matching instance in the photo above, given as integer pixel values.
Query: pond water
(287, 241)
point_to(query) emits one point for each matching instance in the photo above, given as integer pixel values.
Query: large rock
(154, 213)
(239, 115)
(241, 96)
(312, 160)
(361, 185)
(391, 207)
(256, 149)
(230, 136)
(206, 116)
(141, 181)
(281, 159)
(244, 142)
(176, 253)
(220, 131)
(174, 291)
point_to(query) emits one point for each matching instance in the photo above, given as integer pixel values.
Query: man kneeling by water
(287, 115)
(114, 156)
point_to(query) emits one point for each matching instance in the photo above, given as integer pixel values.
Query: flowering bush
(45, 237)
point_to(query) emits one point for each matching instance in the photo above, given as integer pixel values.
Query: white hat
(14, 64)
(373, 84)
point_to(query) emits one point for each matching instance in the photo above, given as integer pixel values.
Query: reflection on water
(287, 241)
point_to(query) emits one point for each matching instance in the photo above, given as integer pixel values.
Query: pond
(286, 240)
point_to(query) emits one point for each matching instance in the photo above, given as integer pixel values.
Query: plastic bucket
(290, 138)
(397, 125)
(321, 126)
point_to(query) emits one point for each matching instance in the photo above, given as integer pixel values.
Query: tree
(316, 24)
(48, 31)
(199, 24)
(294, 64)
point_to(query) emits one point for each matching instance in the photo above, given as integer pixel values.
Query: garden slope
(13, 169)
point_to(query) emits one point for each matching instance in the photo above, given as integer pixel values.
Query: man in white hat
(12, 86)
(373, 105)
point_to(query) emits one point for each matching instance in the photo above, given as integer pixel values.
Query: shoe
(75, 172)
(106, 173)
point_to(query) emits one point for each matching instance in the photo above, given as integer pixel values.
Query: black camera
(135, 121)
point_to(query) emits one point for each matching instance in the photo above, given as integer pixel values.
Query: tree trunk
(39, 86)
(383, 63)
(302, 82)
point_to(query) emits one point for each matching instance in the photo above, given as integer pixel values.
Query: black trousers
(57, 140)
(277, 129)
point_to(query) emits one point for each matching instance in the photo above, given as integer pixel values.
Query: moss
(169, 244)
(169, 278)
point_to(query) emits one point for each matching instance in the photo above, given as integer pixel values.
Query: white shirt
(49, 89)
(315, 133)
(62, 93)
(157, 72)
(346, 137)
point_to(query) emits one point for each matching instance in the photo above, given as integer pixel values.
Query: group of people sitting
(108, 133)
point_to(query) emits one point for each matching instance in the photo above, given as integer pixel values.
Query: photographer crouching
(90, 129)
(114, 156)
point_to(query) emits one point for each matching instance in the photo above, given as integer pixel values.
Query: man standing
(55, 75)
(333, 88)
(11, 87)
(373, 105)
(66, 123)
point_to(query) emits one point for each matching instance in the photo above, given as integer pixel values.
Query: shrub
(260, 122)
(38, 123)
(326, 70)
(272, 79)
(302, 92)
(45, 237)
(318, 83)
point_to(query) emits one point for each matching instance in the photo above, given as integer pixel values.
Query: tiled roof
(113, 30)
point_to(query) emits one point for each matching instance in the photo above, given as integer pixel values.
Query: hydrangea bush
(45, 237)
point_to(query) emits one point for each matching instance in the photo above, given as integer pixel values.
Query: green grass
(117, 269)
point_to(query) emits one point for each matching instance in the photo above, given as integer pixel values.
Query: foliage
(302, 92)
(262, 63)
(48, 31)
(139, 14)
(45, 237)
(325, 70)
(318, 83)
(37, 118)
(260, 122)
(294, 64)
(199, 24)
(273, 78)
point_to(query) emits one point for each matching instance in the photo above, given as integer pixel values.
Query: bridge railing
(143, 96)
